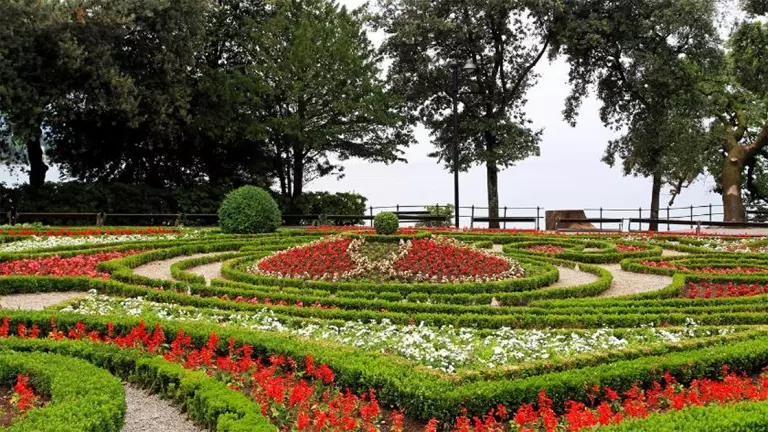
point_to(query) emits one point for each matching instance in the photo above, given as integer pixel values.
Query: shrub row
(207, 401)
(83, 398)
(424, 393)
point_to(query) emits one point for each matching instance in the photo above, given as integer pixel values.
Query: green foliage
(249, 210)
(324, 203)
(83, 398)
(386, 223)
(431, 39)
(644, 61)
(445, 211)
(422, 392)
(207, 401)
(342, 108)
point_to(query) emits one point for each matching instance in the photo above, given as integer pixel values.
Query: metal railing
(467, 214)
(529, 217)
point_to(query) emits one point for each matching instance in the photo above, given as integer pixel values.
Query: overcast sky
(568, 174)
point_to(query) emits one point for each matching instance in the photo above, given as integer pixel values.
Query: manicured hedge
(423, 393)
(207, 401)
(83, 398)
(733, 417)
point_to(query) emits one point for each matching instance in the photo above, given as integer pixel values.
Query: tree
(739, 99)
(161, 96)
(506, 39)
(126, 120)
(643, 58)
(323, 96)
(37, 53)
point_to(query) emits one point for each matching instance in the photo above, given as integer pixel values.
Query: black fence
(530, 218)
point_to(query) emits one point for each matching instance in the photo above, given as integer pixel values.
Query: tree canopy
(177, 93)
(505, 39)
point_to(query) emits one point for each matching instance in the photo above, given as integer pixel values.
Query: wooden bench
(600, 221)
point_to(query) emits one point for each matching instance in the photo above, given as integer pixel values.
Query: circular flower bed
(547, 249)
(436, 260)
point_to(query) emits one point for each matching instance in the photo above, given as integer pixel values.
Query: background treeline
(220, 93)
(194, 95)
(121, 198)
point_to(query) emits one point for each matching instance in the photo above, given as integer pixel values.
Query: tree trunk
(37, 166)
(493, 193)
(298, 172)
(733, 205)
(655, 199)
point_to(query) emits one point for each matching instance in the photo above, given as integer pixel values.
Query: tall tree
(643, 58)
(126, 119)
(740, 104)
(37, 53)
(506, 39)
(324, 98)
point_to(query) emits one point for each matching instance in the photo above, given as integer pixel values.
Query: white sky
(568, 174)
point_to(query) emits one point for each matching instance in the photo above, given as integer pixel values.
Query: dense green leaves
(430, 40)
(249, 210)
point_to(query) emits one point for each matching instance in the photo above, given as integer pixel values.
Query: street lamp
(469, 67)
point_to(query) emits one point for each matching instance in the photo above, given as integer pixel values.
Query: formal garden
(252, 327)
(169, 264)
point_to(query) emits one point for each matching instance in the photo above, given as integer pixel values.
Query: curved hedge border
(207, 401)
(424, 392)
(733, 417)
(421, 392)
(83, 398)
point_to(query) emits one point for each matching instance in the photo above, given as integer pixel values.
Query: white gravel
(208, 271)
(149, 413)
(37, 301)
(162, 269)
(570, 277)
(673, 253)
(627, 283)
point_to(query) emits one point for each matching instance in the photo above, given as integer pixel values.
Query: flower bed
(547, 249)
(730, 289)
(325, 259)
(17, 401)
(621, 248)
(303, 396)
(56, 242)
(79, 265)
(446, 348)
(438, 260)
(609, 407)
(429, 348)
(709, 270)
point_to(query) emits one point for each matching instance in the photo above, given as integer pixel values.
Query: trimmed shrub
(249, 210)
(386, 223)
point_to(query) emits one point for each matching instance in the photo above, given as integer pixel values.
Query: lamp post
(469, 67)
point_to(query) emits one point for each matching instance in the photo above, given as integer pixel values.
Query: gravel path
(627, 283)
(208, 271)
(673, 253)
(162, 269)
(570, 277)
(37, 301)
(149, 413)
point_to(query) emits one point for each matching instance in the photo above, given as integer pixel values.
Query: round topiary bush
(386, 223)
(249, 210)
